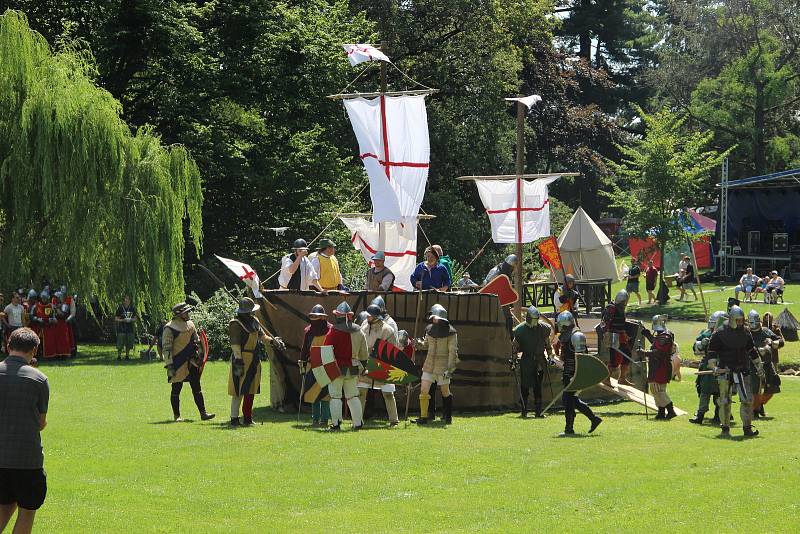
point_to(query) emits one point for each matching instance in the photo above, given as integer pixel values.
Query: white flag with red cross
(359, 53)
(393, 143)
(518, 210)
(245, 273)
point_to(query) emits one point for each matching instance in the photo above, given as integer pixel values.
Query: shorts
(125, 340)
(439, 379)
(746, 289)
(25, 487)
(632, 286)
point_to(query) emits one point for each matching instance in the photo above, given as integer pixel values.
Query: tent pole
(520, 168)
(696, 274)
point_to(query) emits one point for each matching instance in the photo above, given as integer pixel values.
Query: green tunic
(533, 341)
(706, 384)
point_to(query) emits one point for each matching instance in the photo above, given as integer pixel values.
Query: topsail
(392, 133)
(518, 210)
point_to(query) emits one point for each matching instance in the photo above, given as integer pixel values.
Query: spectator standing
(687, 280)
(379, 277)
(327, 266)
(430, 274)
(466, 282)
(24, 396)
(650, 280)
(124, 319)
(632, 285)
(296, 269)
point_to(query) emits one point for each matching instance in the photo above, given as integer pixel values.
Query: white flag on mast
(392, 133)
(401, 246)
(245, 273)
(359, 53)
(518, 210)
(527, 100)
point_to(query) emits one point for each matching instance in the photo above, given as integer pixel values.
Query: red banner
(549, 253)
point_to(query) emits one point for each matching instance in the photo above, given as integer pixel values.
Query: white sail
(518, 210)
(393, 142)
(359, 53)
(401, 246)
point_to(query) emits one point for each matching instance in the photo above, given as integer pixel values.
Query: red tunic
(53, 341)
(342, 344)
(659, 358)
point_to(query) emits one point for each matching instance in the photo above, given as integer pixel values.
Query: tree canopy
(85, 201)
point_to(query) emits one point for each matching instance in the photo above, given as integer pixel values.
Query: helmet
(402, 338)
(659, 323)
(569, 278)
(564, 321)
(44, 295)
(59, 295)
(32, 294)
(734, 314)
(361, 317)
(299, 243)
(532, 315)
(621, 298)
(343, 309)
(317, 312)
(754, 320)
(380, 303)
(578, 340)
(63, 289)
(437, 310)
(374, 311)
(716, 319)
(247, 305)
(511, 259)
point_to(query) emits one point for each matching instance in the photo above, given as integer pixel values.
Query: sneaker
(179, 419)
(207, 416)
(248, 421)
(595, 423)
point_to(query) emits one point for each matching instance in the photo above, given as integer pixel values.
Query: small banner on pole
(550, 254)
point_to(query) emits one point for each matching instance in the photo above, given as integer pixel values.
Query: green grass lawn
(116, 463)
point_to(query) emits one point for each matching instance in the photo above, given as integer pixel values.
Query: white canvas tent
(586, 251)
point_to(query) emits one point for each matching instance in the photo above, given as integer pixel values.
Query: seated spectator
(774, 287)
(747, 284)
(762, 285)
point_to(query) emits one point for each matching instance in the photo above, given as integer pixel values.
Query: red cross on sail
(401, 246)
(518, 210)
(392, 133)
(249, 276)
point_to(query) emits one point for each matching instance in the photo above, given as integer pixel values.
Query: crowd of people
(51, 314)
(770, 286)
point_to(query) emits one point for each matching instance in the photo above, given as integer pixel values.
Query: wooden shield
(589, 371)
(502, 287)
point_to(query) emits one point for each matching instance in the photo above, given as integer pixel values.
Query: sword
(513, 366)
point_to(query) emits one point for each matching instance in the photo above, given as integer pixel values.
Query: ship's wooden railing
(596, 294)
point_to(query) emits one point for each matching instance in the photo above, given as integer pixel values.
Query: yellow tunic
(250, 381)
(180, 346)
(329, 274)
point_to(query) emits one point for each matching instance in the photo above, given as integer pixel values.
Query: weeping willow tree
(83, 200)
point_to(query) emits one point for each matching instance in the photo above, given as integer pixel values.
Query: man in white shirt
(747, 283)
(774, 287)
(297, 272)
(13, 314)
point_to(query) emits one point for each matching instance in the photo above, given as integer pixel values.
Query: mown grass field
(116, 463)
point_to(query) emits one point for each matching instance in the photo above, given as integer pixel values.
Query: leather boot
(175, 401)
(538, 408)
(662, 413)
(749, 432)
(447, 409)
(524, 411)
(698, 419)
(671, 411)
(201, 406)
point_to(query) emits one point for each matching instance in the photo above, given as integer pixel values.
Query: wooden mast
(382, 226)
(520, 168)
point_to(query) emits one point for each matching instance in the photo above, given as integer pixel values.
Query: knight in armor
(314, 336)
(441, 343)
(374, 330)
(180, 346)
(733, 348)
(350, 351)
(379, 277)
(616, 337)
(566, 297)
(532, 339)
(707, 385)
(571, 341)
(248, 339)
(387, 319)
(505, 267)
(659, 365)
(766, 343)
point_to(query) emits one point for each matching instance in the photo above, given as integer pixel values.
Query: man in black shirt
(24, 396)
(124, 318)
